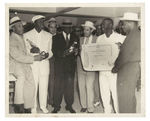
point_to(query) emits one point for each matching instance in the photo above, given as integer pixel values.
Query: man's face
(39, 23)
(107, 26)
(126, 26)
(52, 27)
(98, 30)
(18, 28)
(67, 29)
(78, 32)
(87, 31)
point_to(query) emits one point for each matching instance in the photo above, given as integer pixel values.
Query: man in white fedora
(107, 79)
(86, 78)
(19, 66)
(42, 41)
(127, 64)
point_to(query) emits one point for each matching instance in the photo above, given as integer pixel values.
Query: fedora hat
(52, 20)
(89, 24)
(15, 20)
(66, 23)
(130, 16)
(37, 17)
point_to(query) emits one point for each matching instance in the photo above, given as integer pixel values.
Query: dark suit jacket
(58, 47)
(59, 44)
(130, 50)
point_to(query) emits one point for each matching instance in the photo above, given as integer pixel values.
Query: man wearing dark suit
(127, 64)
(65, 63)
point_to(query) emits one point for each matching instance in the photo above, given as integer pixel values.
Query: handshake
(43, 55)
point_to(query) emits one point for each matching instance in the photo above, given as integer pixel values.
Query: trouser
(24, 88)
(51, 82)
(64, 83)
(96, 88)
(86, 87)
(41, 86)
(108, 89)
(127, 79)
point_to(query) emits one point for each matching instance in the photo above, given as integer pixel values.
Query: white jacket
(43, 41)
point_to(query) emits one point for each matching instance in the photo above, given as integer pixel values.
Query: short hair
(108, 19)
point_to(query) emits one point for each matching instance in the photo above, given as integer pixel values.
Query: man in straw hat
(86, 78)
(19, 66)
(64, 50)
(127, 64)
(43, 41)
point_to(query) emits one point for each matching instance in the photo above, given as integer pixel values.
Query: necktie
(67, 39)
(87, 40)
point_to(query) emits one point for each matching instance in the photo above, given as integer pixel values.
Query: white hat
(37, 17)
(13, 21)
(130, 16)
(52, 20)
(89, 24)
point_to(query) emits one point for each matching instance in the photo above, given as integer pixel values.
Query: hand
(76, 51)
(38, 57)
(114, 70)
(66, 53)
(119, 45)
(44, 55)
(34, 50)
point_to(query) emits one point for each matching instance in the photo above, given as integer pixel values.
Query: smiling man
(43, 41)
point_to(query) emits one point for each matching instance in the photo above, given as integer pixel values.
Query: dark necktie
(67, 39)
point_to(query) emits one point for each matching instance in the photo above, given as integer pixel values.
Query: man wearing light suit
(19, 66)
(43, 41)
(86, 78)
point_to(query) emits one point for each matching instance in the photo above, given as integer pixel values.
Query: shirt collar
(66, 35)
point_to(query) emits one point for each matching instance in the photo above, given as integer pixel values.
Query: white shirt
(43, 40)
(66, 35)
(114, 38)
(89, 41)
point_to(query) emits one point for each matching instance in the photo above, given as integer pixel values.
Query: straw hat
(37, 17)
(89, 24)
(130, 16)
(15, 20)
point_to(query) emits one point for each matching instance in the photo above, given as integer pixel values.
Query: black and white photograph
(75, 59)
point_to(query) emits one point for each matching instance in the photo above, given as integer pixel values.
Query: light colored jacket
(18, 57)
(19, 66)
(43, 41)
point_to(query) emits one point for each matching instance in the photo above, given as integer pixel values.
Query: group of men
(39, 58)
